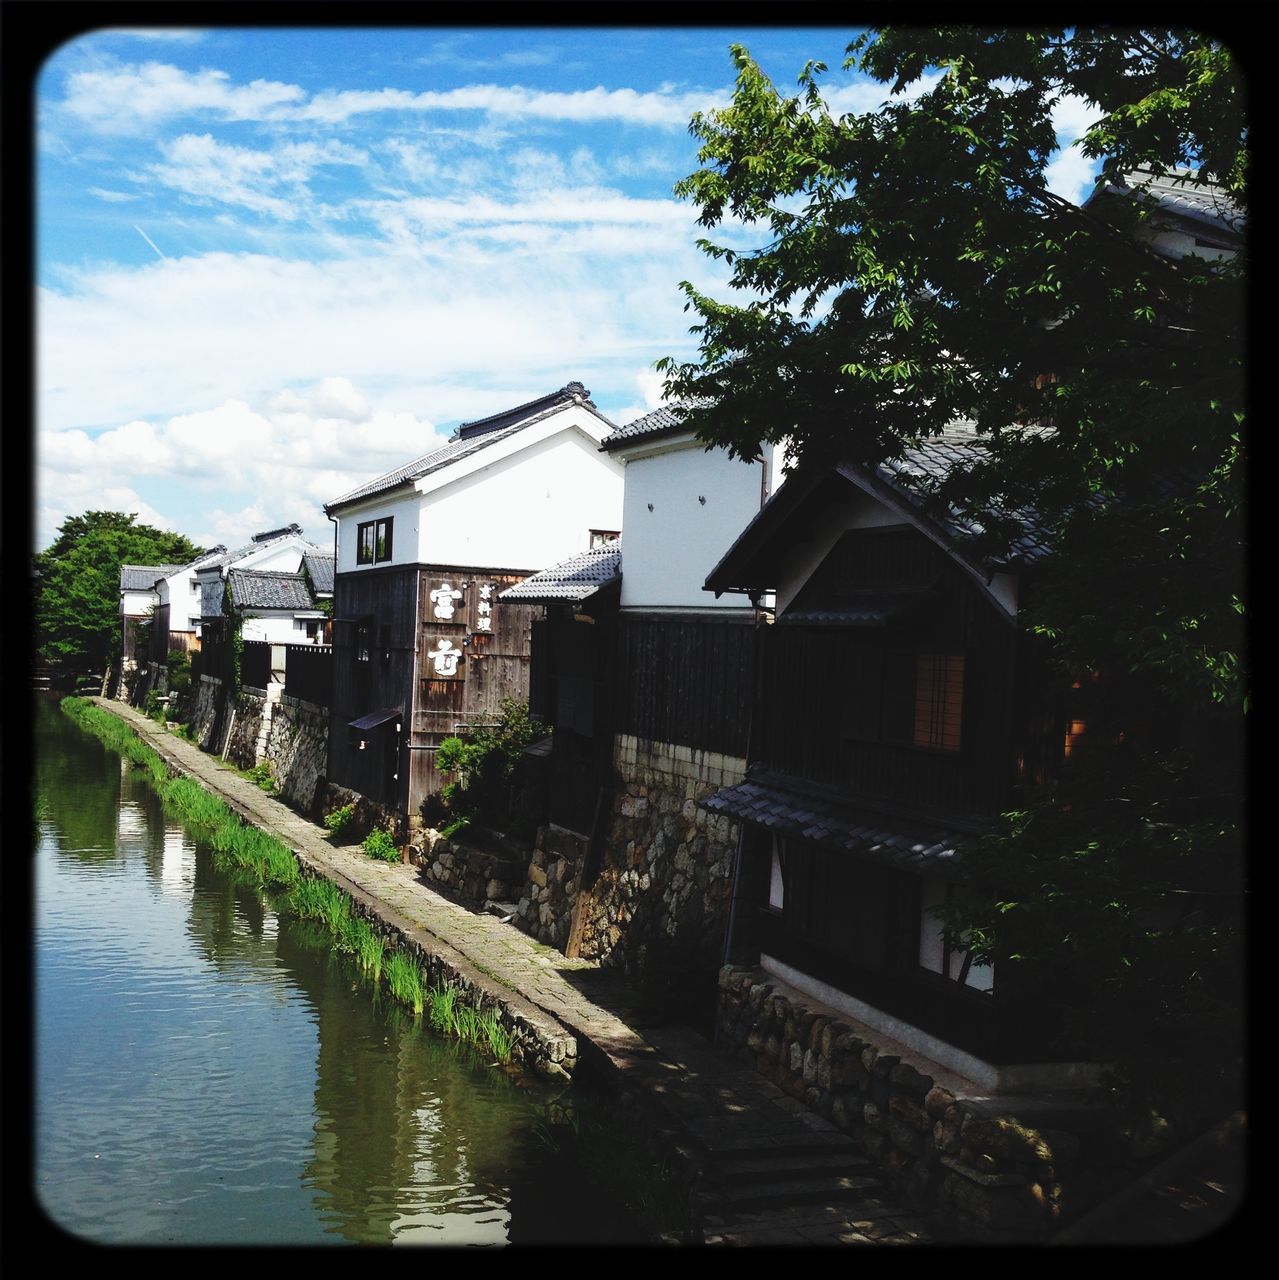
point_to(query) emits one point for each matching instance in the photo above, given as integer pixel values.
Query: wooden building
(897, 705)
(423, 648)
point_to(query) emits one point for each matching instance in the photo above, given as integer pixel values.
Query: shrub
(264, 775)
(381, 845)
(338, 820)
(485, 763)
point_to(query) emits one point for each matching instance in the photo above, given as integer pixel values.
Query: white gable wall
(526, 510)
(669, 550)
(403, 507)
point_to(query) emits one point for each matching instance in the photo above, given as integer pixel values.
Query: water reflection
(208, 1072)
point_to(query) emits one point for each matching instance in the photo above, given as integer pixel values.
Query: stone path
(771, 1171)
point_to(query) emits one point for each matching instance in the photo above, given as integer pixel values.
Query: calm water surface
(208, 1072)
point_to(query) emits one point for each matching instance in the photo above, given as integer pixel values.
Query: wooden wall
(687, 681)
(812, 682)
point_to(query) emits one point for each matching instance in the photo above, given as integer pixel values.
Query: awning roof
(791, 808)
(375, 718)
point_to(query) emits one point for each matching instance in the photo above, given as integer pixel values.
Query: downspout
(328, 741)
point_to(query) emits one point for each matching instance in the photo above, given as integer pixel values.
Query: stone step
(818, 1190)
(763, 1166)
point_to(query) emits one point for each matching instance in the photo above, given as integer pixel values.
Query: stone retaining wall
(538, 1042)
(467, 874)
(550, 892)
(205, 715)
(1001, 1168)
(291, 734)
(659, 905)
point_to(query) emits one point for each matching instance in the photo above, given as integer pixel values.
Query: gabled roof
(660, 422)
(471, 437)
(758, 557)
(792, 807)
(1180, 195)
(143, 577)
(574, 579)
(265, 589)
(221, 557)
(320, 570)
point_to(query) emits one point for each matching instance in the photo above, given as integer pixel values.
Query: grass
(404, 977)
(236, 843)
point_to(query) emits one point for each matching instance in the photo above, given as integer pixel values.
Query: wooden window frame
(374, 540)
(899, 707)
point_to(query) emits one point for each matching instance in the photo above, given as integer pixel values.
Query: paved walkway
(771, 1171)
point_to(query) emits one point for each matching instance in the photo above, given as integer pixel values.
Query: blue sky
(275, 263)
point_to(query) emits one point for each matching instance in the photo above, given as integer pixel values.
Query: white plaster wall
(273, 628)
(180, 594)
(668, 551)
(284, 556)
(525, 510)
(400, 506)
(137, 604)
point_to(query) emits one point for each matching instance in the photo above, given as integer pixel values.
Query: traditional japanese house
(646, 680)
(139, 602)
(897, 704)
(422, 646)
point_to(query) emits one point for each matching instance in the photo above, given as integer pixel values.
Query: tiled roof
(924, 466)
(661, 421)
(789, 807)
(260, 540)
(574, 579)
(142, 577)
(320, 567)
(470, 438)
(1179, 194)
(261, 589)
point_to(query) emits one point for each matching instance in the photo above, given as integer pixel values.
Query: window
(603, 538)
(364, 640)
(912, 699)
(939, 700)
(373, 541)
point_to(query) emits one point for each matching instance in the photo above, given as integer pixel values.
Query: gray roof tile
(262, 589)
(142, 577)
(791, 807)
(661, 421)
(320, 567)
(573, 579)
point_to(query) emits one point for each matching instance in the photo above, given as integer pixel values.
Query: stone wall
(550, 892)
(205, 717)
(466, 874)
(1001, 1168)
(659, 906)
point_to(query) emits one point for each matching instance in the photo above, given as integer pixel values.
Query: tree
(918, 270)
(78, 584)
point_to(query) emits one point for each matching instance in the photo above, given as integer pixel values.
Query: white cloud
(127, 98)
(111, 197)
(130, 98)
(299, 450)
(1072, 116)
(1070, 174)
(268, 182)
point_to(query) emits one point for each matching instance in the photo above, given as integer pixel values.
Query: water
(208, 1072)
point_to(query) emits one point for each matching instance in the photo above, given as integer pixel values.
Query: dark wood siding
(385, 600)
(687, 681)
(818, 719)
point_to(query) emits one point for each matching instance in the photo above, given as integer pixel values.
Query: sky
(274, 263)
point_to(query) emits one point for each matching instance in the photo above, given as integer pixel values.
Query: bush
(263, 775)
(338, 820)
(381, 845)
(485, 764)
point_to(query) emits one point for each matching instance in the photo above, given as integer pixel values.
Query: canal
(208, 1071)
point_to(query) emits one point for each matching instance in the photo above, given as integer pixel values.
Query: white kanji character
(445, 658)
(442, 598)
(483, 624)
